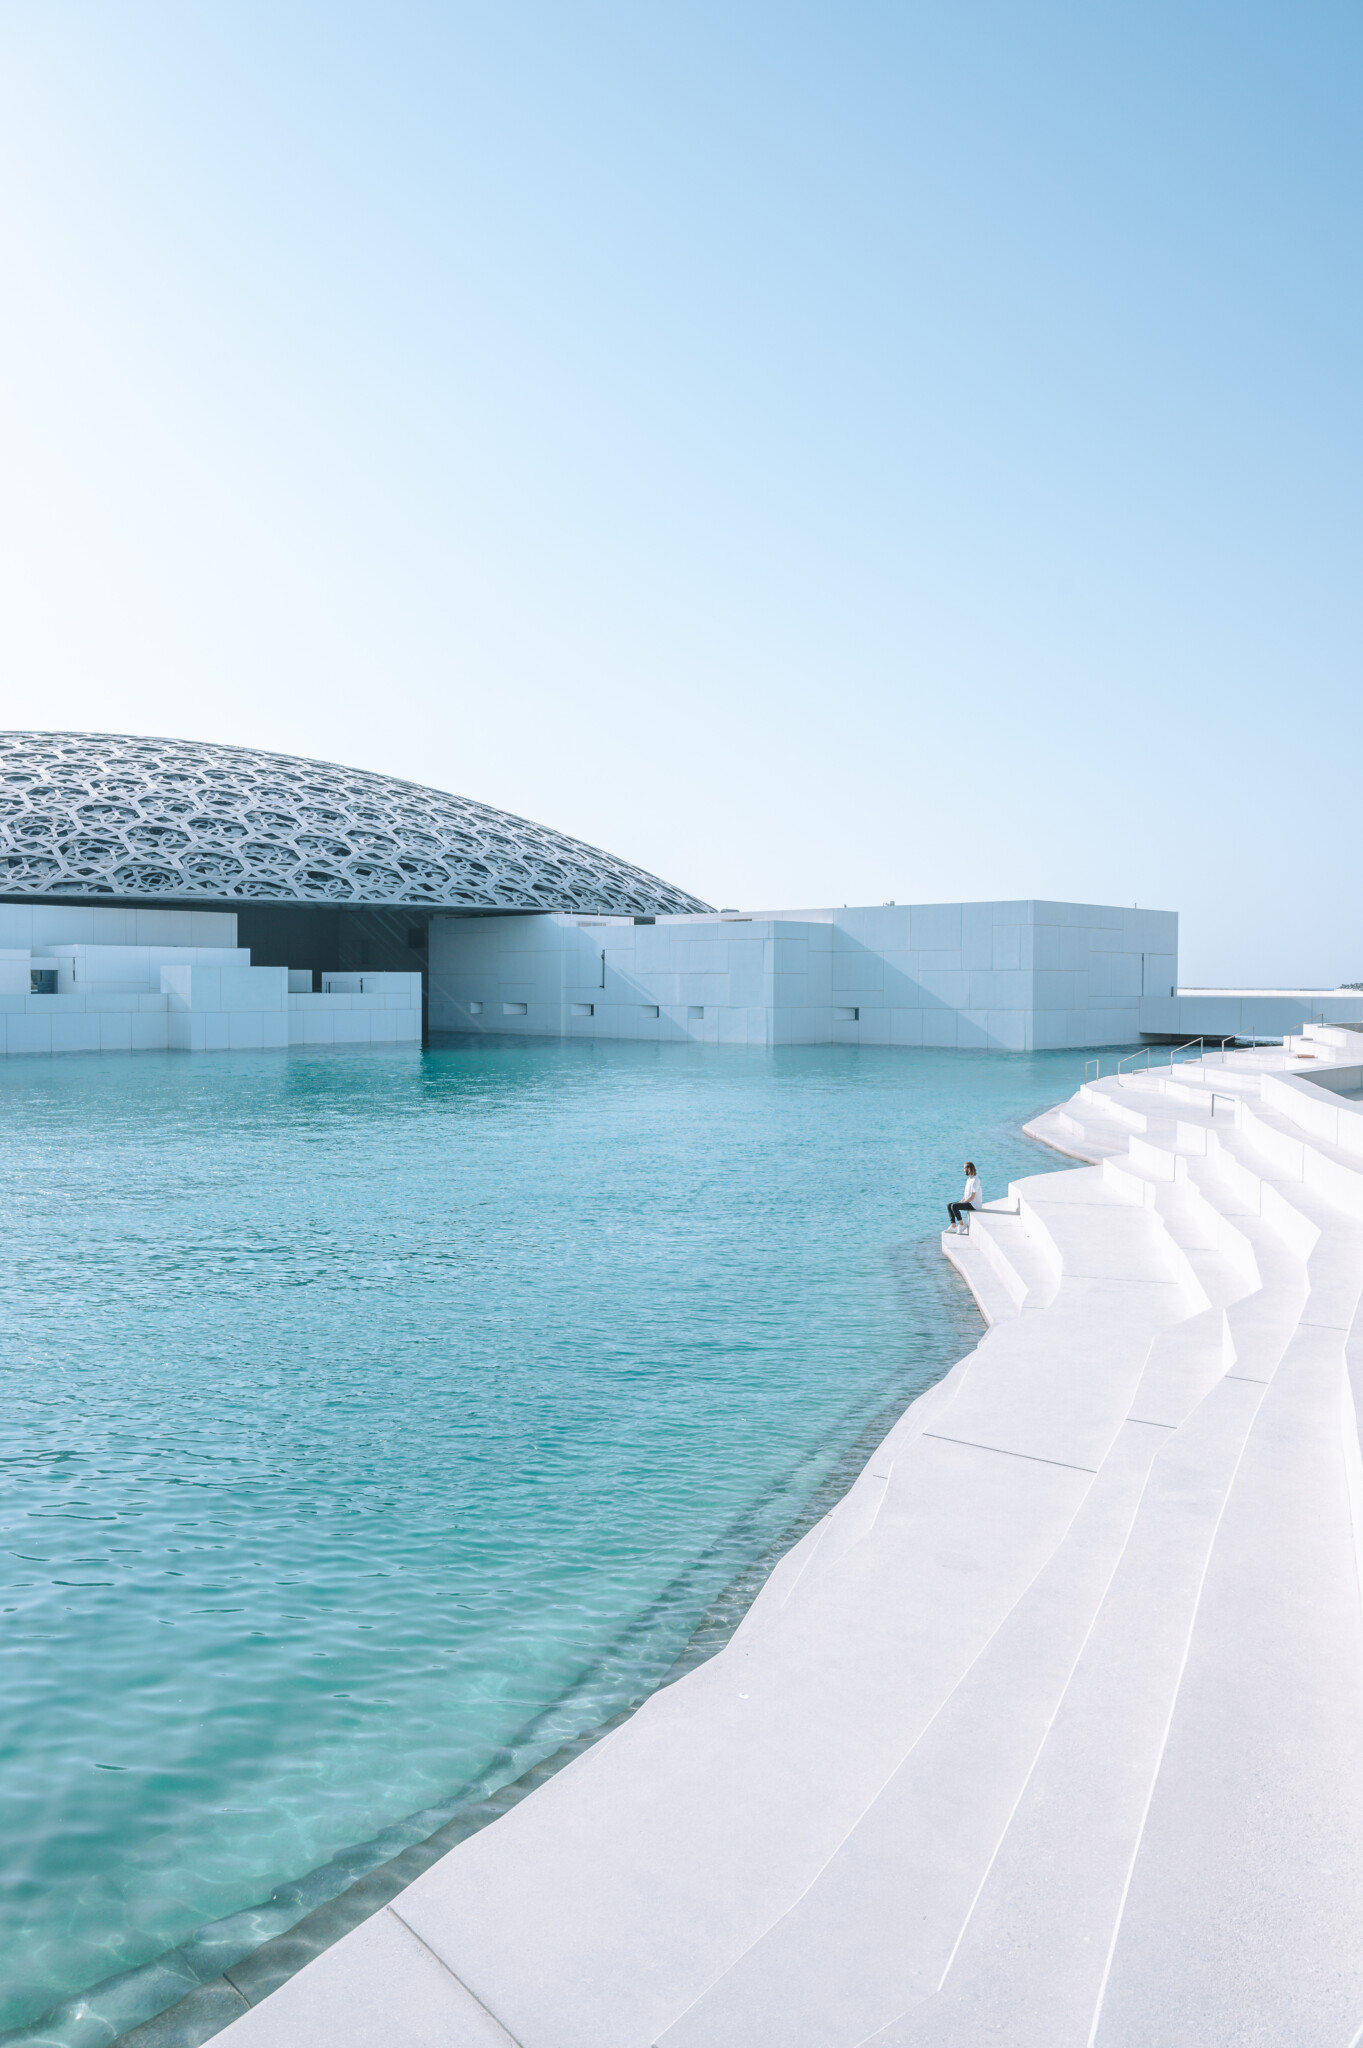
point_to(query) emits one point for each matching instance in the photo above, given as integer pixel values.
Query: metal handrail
(1097, 1067)
(1174, 1050)
(1233, 1100)
(1222, 1042)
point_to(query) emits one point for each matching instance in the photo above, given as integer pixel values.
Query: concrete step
(854, 1517)
(380, 1985)
(1337, 1037)
(727, 1794)
(1218, 1255)
(1328, 1239)
(1064, 1132)
(876, 1929)
(1182, 1367)
(1030, 1966)
(1268, 1172)
(1072, 1213)
(1108, 1098)
(1310, 1259)
(1001, 1252)
(1258, 1803)
(1257, 1286)
(1316, 1155)
(998, 1298)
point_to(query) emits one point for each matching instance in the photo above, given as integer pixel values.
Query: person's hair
(970, 1166)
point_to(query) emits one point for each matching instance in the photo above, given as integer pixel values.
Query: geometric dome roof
(105, 814)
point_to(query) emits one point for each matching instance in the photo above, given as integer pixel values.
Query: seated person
(973, 1198)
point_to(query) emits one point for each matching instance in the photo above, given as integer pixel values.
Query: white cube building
(1011, 976)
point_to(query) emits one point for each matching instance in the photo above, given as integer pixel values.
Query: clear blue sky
(821, 453)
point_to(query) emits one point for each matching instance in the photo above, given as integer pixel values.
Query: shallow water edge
(185, 1997)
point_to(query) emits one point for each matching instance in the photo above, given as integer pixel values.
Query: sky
(821, 453)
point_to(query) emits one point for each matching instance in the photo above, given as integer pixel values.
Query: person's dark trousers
(956, 1210)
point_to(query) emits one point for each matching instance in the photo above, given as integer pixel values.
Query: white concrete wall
(176, 980)
(380, 1009)
(1023, 975)
(37, 927)
(1016, 976)
(1247, 1012)
(133, 967)
(578, 977)
(226, 1009)
(94, 1022)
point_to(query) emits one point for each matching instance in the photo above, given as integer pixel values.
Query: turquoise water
(375, 1423)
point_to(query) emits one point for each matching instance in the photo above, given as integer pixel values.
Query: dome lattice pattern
(103, 814)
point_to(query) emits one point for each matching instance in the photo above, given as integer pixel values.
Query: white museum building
(178, 895)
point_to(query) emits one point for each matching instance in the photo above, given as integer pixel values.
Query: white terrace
(1051, 1734)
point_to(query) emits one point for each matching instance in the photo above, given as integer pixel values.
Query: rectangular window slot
(42, 981)
(584, 1009)
(515, 1009)
(475, 1009)
(846, 1016)
(695, 1011)
(650, 1009)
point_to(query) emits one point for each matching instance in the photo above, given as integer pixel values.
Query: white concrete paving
(1051, 1734)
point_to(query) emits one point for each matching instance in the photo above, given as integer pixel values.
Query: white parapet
(1246, 1012)
(1052, 1731)
(128, 968)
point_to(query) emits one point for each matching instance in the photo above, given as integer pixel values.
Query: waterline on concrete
(186, 1995)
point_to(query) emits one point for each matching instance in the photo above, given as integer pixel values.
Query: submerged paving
(1052, 1731)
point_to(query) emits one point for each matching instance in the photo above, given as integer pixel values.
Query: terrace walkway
(1051, 1733)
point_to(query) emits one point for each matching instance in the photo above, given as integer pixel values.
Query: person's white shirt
(973, 1191)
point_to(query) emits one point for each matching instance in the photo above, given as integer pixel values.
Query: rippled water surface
(373, 1423)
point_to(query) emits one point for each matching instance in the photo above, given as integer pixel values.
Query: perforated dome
(104, 814)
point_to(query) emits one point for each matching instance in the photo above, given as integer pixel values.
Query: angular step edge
(1227, 1237)
(1030, 1966)
(1139, 1192)
(877, 1927)
(1332, 1178)
(1098, 1097)
(997, 1300)
(1262, 1198)
(1064, 1134)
